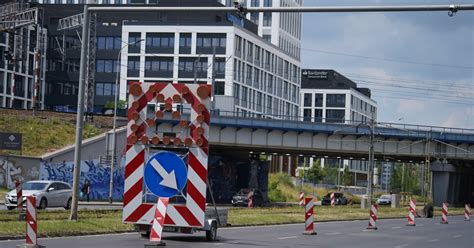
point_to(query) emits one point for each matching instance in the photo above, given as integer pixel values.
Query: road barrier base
(310, 233)
(411, 224)
(444, 222)
(372, 228)
(155, 244)
(30, 246)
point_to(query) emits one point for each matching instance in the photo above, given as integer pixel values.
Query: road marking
(433, 240)
(290, 237)
(396, 227)
(218, 243)
(457, 236)
(333, 233)
(401, 246)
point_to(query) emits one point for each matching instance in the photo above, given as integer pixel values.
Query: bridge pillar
(454, 184)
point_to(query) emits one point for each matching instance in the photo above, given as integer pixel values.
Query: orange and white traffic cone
(411, 213)
(373, 217)
(467, 212)
(308, 217)
(444, 213)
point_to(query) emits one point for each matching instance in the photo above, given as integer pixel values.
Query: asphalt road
(391, 234)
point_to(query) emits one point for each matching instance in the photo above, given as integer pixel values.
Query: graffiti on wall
(10, 170)
(96, 173)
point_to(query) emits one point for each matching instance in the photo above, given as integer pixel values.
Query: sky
(419, 66)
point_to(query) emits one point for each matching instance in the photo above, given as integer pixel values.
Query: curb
(4, 238)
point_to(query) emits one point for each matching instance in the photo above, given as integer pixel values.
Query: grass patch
(55, 223)
(3, 192)
(42, 135)
(295, 214)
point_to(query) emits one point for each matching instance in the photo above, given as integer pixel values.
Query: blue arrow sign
(165, 174)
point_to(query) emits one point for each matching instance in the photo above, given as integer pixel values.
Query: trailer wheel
(145, 234)
(211, 235)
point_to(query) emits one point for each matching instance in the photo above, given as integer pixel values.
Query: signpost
(10, 141)
(165, 176)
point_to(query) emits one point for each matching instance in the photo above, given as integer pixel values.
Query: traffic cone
(444, 213)
(373, 217)
(467, 212)
(411, 213)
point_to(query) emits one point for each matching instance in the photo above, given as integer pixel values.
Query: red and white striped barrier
(308, 217)
(444, 213)
(411, 213)
(19, 195)
(141, 131)
(159, 220)
(31, 223)
(301, 198)
(467, 212)
(373, 217)
(332, 199)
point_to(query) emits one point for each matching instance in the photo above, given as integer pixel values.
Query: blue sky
(410, 92)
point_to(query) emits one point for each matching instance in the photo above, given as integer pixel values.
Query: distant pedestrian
(86, 188)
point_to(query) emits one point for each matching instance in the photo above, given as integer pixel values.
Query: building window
(335, 100)
(158, 67)
(335, 115)
(208, 43)
(318, 100)
(107, 65)
(254, 17)
(307, 100)
(160, 43)
(185, 43)
(109, 43)
(267, 3)
(104, 89)
(190, 67)
(219, 88)
(220, 67)
(267, 37)
(267, 19)
(133, 67)
(307, 115)
(134, 42)
(318, 115)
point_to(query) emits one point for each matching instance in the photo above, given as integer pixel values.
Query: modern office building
(251, 75)
(21, 85)
(281, 29)
(329, 97)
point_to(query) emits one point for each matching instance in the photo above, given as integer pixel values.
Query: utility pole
(403, 177)
(339, 175)
(195, 68)
(80, 113)
(371, 161)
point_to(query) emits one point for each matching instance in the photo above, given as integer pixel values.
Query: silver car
(47, 193)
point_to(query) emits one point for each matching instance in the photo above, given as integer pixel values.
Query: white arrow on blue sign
(165, 174)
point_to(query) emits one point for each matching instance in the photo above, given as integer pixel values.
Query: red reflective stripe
(139, 212)
(169, 221)
(154, 237)
(197, 167)
(196, 195)
(133, 192)
(188, 216)
(135, 163)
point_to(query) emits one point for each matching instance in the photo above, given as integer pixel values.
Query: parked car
(339, 199)
(47, 193)
(241, 198)
(384, 200)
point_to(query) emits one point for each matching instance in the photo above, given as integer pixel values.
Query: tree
(121, 104)
(315, 174)
(346, 177)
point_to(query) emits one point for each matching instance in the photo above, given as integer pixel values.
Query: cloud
(424, 94)
(410, 106)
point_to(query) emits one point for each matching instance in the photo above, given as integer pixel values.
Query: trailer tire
(211, 234)
(145, 234)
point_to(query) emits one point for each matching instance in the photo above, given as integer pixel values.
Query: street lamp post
(112, 163)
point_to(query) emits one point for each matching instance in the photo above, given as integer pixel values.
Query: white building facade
(281, 29)
(252, 76)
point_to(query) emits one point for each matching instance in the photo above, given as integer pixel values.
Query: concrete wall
(452, 184)
(18, 167)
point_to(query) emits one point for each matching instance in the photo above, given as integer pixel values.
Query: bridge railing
(406, 128)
